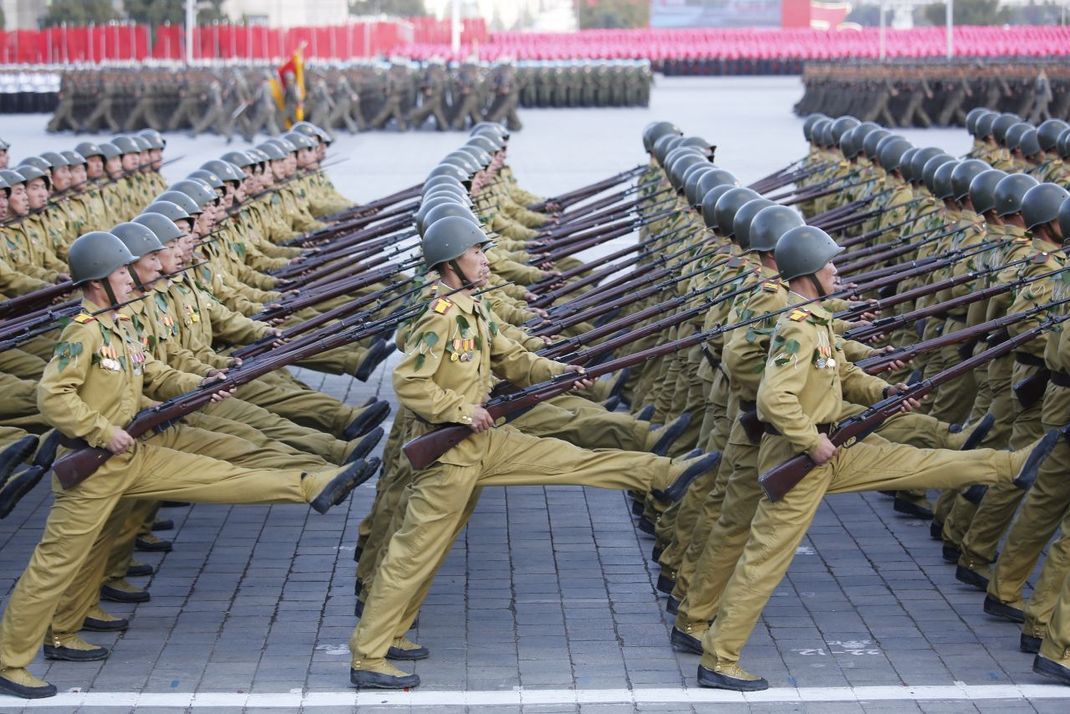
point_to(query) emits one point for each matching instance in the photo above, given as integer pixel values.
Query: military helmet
(258, 156)
(5, 186)
(1041, 204)
(484, 127)
(169, 209)
(983, 189)
(930, 167)
(1029, 143)
(871, 144)
(125, 144)
(1064, 219)
(664, 145)
(155, 138)
(808, 124)
(73, 158)
(451, 188)
(436, 181)
(431, 204)
(181, 200)
(310, 130)
(108, 150)
(742, 220)
(891, 154)
(478, 154)
(241, 159)
(1048, 133)
(299, 140)
(971, 119)
(490, 144)
(285, 144)
(200, 192)
(699, 143)
(138, 239)
(1013, 136)
(840, 126)
(677, 168)
(273, 150)
(55, 159)
(449, 170)
(769, 224)
(1009, 193)
(164, 228)
(655, 130)
(4, 146)
(918, 161)
(727, 207)
(679, 152)
(710, 179)
(225, 170)
(963, 174)
(804, 251)
(941, 184)
(709, 204)
(12, 178)
(848, 146)
(445, 210)
(463, 161)
(1002, 123)
(1062, 146)
(819, 132)
(208, 177)
(141, 142)
(30, 172)
(96, 255)
(985, 123)
(449, 238)
(38, 162)
(691, 183)
(88, 148)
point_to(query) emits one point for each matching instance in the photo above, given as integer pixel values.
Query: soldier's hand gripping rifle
(35, 298)
(779, 480)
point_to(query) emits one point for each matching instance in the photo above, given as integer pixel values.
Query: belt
(747, 406)
(1060, 379)
(713, 361)
(1029, 360)
(69, 442)
(772, 430)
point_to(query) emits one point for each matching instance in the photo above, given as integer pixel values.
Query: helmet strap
(817, 285)
(465, 282)
(137, 281)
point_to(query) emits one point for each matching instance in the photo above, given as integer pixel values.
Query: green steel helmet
(138, 239)
(655, 130)
(709, 204)
(929, 170)
(429, 205)
(462, 161)
(918, 161)
(181, 200)
(241, 159)
(445, 210)
(489, 126)
(1013, 137)
(449, 238)
(29, 173)
(983, 189)
(208, 177)
(1064, 219)
(125, 144)
(436, 181)
(678, 152)
(299, 140)
(727, 207)
(258, 156)
(769, 224)
(446, 192)
(711, 179)
(693, 185)
(200, 192)
(490, 144)
(872, 142)
(697, 142)
(804, 251)
(480, 156)
(849, 146)
(1041, 204)
(741, 222)
(1048, 133)
(840, 126)
(170, 210)
(73, 158)
(808, 125)
(449, 188)
(891, 153)
(1002, 123)
(690, 171)
(4, 146)
(822, 132)
(1062, 146)
(109, 150)
(96, 255)
(273, 150)
(971, 119)
(38, 162)
(984, 125)
(308, 129)
(164, 228)
(664, 145)
(56, 159)
(155, 138)
(88, 148)
(224, 170)
(681, 164)
(1009, 193)
(963, 174)
(903, 167)
(450, 170)
(5, 186)
(1029, 143)
(11, 177)
(142, 142)
(942, 187)
(286, 145)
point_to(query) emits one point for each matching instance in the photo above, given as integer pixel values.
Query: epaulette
(798, 315)
(441, 306)
(1039, 258)
(83, 318)
(770, 286)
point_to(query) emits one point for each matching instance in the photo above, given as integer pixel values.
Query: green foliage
(966, 12)
(78, 12)
(869, 15)
(400, 8)
(612, 14)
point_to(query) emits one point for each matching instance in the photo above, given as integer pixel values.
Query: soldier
(504, 84)
(393, 91)
(346, 111)
(214, 116)
(466, 97)
(4, 147)
(432, 97)
(264, 114)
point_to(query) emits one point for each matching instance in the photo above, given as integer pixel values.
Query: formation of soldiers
(585, 83)
(729, 369)
(935, 94)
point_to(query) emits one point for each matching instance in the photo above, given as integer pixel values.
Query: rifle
(323, 235)
(890, 252)
(779, 480)
(577, 195)
(878, 232)
(36, 297)
(877, 248)
(373, 206)
(779, 179)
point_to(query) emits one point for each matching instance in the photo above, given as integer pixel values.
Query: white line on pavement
(430, 698)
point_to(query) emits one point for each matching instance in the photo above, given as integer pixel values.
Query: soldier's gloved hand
(580, 383)
(481, 420)
(120, 441)
(822, 451)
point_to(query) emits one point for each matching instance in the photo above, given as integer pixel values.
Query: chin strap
(465, 282)
(817, 285)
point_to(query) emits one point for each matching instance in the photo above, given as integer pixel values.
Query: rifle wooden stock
(579, 194)
(779, 480)
(326, 235)
(373, 206)
(43, 296)
(878, 232)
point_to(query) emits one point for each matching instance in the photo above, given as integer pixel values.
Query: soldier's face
(291, 164)
(78, 176)
(827, 277)
(144, 160)
(278, 169)
(114, 167)
(171, 257)
(148, 269)
(3, 158)
(37, 194)
(156, 157)
(94, 167)
(18, 202)
(130, 162)
(61, 177)
(228, 195)
(239, 192)
(3, 203)
(321, 151)
(473, 263)
(122, 283)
